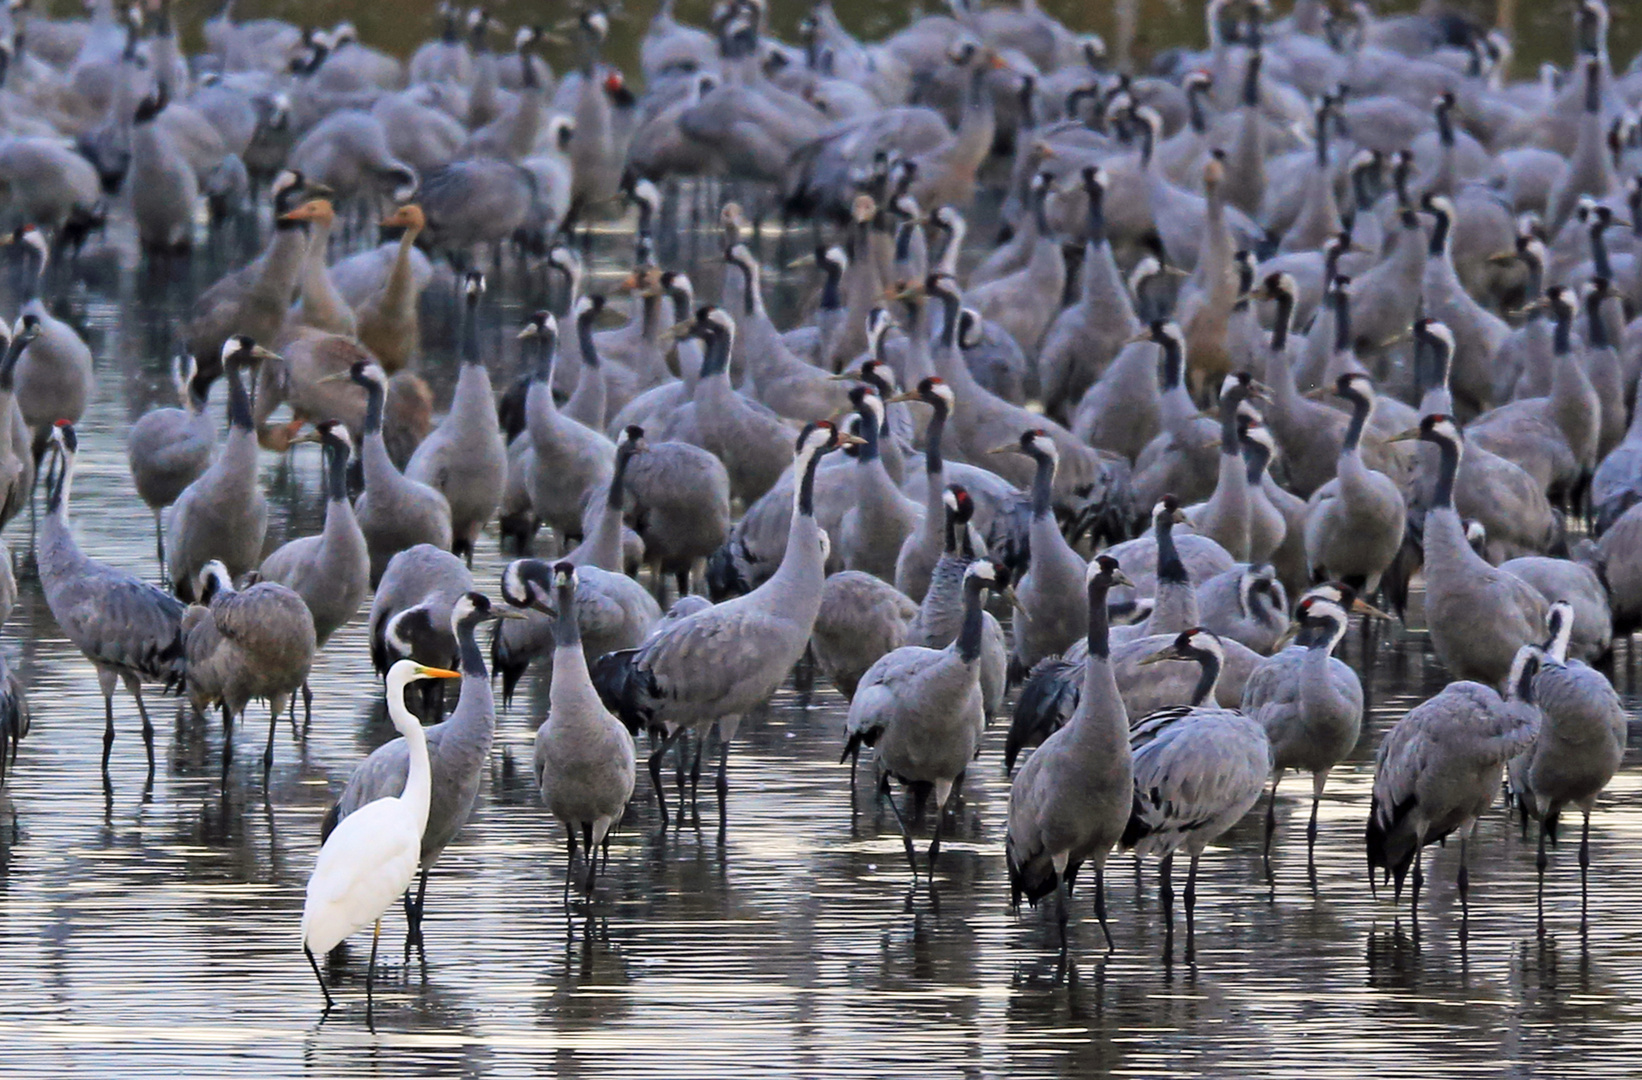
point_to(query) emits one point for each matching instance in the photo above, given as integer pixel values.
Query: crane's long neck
(374, 398)
(1362, 407)
(1562, 336)
(8, 367)
(1596, 333)
(567, 632)
(1170, 568)
(1208, 677)
(934, 464)
(336, 472)
(1281, 323)
(1342, 321)
(1439, 235)
(584, 338)
(716, 358)
(239, 401)
(1448, 466)
(1096, 222)
(968, 642)
(1043, 485)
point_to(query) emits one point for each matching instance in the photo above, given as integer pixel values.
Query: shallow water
(156, 932)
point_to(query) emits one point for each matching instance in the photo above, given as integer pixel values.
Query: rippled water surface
(154, 932)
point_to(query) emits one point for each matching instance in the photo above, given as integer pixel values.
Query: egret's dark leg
(323, 989)
(1584, 868)
(1165, 893)
(1100, 907)
(413, 916)
(655, 775)
(1540, 863)
(1191, 910)
(906, 837)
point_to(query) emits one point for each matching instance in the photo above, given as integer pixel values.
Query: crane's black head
(527, 583)
(28, 328)
(960, 505)
(1355, 387)
(1196, 644)
(214, 580)
(632, 439)
(63, 434)
(1168, 511)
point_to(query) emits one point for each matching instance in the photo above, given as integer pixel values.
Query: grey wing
(1273, 681)
(127, 624)
(1193, 772)
(888, 685)
(718, 653)
(379, 776)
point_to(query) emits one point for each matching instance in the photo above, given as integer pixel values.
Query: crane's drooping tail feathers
(727, 571)
(624, 687)
(1047, 700)
(1390, 848)
(511, 668)
(328, 823)
(1035, 880)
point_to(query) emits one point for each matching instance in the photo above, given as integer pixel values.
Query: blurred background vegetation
(1542, 27)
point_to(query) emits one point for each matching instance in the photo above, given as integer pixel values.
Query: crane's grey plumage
(395, 512)
(1246, 604)
(584, 761)
(245, 644)
(921, 708)
(54, 377)
(1438, 769)
(457, 751)
(1580, 745)
(861, 619)
(1479, 615)
(464, 459)
(681, 504)
(613, 612)
(129, 630)
(169, 448)
(1071, 800)
(878, 525)
(923, 549)
(568, 459)
(410, 614)
(1354, 526)
(1051, 613)
(1309, 701)
(223, 515)
(1197, 771)
(711, 668)
(17, 460)
(940, 617)
(1573, 582)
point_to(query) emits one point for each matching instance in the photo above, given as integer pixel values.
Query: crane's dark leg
(1540, 863)
(655, 775)
(108, 730)
(1311, 826)
(906, 837)
(307, 708)
(413, 916)
(1165, 893)
(723, 784)
(1419, 880)
(323, 989)
(1584, 868)
(1063, 915)
(569, 865)
(1100, 907)
(683, 747)
(227, 740)
(682, 579)
(148, 725)
(935, 842)
(592, 855)
(1191, 910)
(268, 751)
(1271, 824)
(1464, 883)
(159, 543)
(370, 972)
(695, 770)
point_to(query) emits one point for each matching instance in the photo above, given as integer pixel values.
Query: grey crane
(14, 705)
(54, 379)
(922, 548)
(1225, 517)
(457, 751)
(1246, 604)
(395, 512)
(242, 645)
(1198, 769)
(1309, 701)
(410, 614)
(612, 612)
(1354, 525)
(862, 617)
(1438, 769)
(681, 504)
(465, 457)
(330, 571)
(709, 669)
(1071, 801)
(1479, 616)
(922, 709)
(1174, 605)
(567, 459)
(749, 438)
(1051, 615)
(940, 617)
(129, 630)
(169, 448)
(584, 762)
(17, 463)
(223, 514)
(1580, 745)
(877, 526)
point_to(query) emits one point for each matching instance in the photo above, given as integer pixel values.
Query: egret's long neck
(418, 791)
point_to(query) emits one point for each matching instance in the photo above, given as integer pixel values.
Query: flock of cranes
(1271, 331)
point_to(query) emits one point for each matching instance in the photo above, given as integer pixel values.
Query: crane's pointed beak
(1289, 633)
(1161, 656)
(1360, 606)
(1405, 436)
